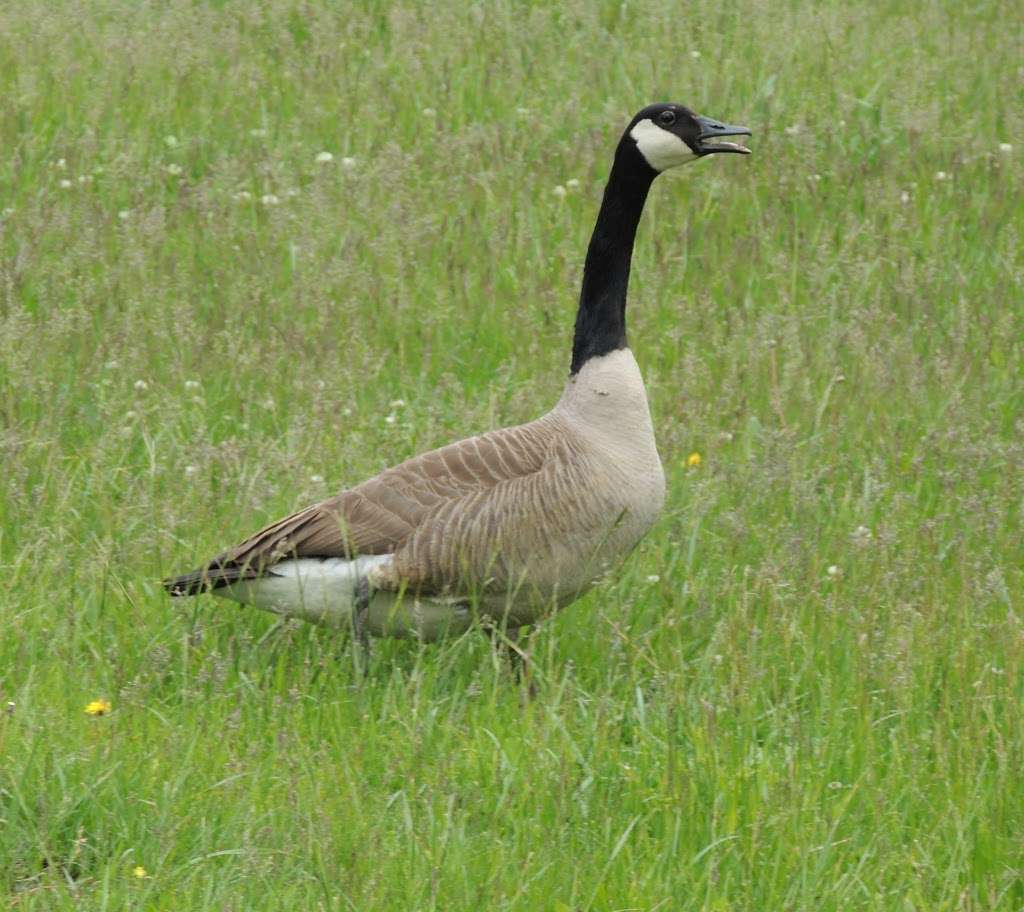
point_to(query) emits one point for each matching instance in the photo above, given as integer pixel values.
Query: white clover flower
(131, 414)
(124, 215)
(85, 178)
(348, 163)
(258, 132)
(316, 479)
(141, 385)
(833, 571)
(815, 178)
(112, 365)
(170, 141)
(60, 164)
(192, 384)
(861, 535)
(324, 158)
(65, 184)
(390, 419)
(943, 175)
(654, 578)
(793, 130)
(572, 183)
(560, 191)
(904, 197)
(695, 55)
(269, 199)
(174, 169)
(243, 195)
(523, 112)
(397, 403)
(191, 470)
(429, 112)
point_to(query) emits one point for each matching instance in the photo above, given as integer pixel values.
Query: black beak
(713, 129)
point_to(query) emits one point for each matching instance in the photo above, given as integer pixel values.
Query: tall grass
(803, 691)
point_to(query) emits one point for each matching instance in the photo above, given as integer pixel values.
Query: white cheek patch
(663, 150)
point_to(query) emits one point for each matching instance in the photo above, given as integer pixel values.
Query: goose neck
(601, 318)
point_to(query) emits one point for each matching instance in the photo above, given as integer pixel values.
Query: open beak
(711, 130)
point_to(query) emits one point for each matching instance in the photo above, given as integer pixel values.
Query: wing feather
(380, 515)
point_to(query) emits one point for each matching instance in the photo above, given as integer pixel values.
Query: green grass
(728, 723)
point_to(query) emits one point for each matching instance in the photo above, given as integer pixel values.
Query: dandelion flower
(693, 460)
(97, 707)
(324, 158)
(139, 872)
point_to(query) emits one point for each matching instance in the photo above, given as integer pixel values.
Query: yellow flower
(97, 707)
(139, 872)
(693, 460)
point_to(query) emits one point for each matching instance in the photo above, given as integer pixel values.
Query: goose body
(511, 524)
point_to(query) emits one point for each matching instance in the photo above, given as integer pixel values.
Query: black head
(669, 135)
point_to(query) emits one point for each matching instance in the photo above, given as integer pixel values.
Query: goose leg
(519, 658)
(512, 642)
(360, 633)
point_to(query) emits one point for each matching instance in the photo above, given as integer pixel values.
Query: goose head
(668, 135)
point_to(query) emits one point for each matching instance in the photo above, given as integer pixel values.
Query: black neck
(601, 318)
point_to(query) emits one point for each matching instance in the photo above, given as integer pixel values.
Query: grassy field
(803, 691)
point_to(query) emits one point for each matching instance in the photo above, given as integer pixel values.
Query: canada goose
(513, 523)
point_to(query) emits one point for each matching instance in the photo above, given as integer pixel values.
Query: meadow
(252, 253)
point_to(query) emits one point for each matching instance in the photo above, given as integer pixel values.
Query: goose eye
(667, 118)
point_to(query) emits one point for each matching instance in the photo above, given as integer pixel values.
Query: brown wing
(379, 515)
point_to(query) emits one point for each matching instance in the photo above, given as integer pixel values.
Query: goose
(511, 525)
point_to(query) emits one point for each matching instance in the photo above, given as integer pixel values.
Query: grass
(803, 692)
